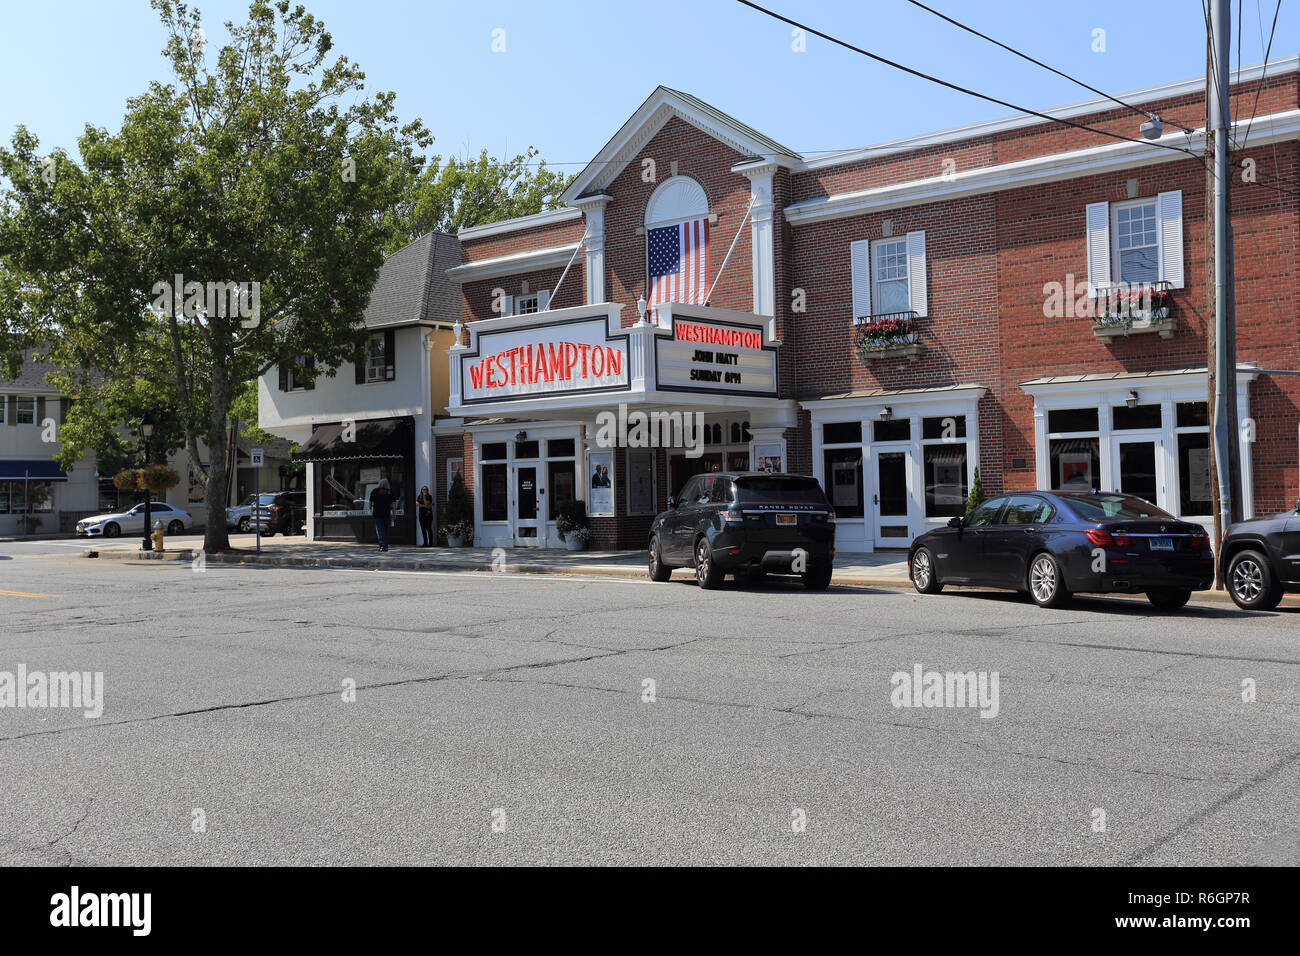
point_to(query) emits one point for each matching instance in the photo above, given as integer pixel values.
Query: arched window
(677, 244)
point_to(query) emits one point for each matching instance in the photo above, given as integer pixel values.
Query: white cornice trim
(1278, 67)
(548, 218)
(1273, 128)
(950, 394)
(1124, 381)
(517, 262)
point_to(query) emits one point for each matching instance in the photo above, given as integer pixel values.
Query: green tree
(261, 164)
(976, 496)
(456, 193)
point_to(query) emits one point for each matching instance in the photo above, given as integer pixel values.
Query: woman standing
(425, 505)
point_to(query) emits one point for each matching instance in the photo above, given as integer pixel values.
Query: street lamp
(146, 431)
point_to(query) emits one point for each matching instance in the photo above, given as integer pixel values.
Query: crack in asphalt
(39, 847)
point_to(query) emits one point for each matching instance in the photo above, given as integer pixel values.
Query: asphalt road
(521, 701)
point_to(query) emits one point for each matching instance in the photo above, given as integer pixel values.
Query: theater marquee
(576, 356)
(718, 357)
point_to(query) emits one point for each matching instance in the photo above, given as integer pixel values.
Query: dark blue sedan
(1052, 544)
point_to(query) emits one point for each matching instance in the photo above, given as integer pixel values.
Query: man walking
(381, 506)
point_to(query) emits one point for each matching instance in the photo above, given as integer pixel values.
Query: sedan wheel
(923, 576)
(112, 530)
(658, 570)
(1251, 583)
(1046, 587)
(175, 527)
(706, 572)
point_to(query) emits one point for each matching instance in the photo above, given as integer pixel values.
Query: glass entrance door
(1138, 468)
(891, 499)
(528, 497)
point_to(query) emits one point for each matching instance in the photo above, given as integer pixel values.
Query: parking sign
(255, 458)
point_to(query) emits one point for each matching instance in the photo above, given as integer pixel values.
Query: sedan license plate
(787, 519)
(1162, 544)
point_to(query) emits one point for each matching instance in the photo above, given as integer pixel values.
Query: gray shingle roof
(413, 284)
(31, 377)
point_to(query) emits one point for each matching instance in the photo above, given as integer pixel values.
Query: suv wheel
(708, 574)
(1046, 585)
(658, 570)
(1169, 599)
(923, 577)
(1251, 582)
(243, 525)
(818, 578)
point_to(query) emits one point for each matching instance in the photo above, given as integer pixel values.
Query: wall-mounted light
(886, 413)
(1132, 400)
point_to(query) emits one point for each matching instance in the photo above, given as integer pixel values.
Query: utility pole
(1225, 359)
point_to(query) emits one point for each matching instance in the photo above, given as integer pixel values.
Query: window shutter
(310, 365)
(65, 406)
(284, 377)
(1098, 219)
(860, 269)
(40, 412)
(508, 305)
(360, 365)
(543, 299)
(1169, 210)
(916, 288)
(11, 413)
(390, 367)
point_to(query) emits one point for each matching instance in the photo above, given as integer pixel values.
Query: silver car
(240, 518)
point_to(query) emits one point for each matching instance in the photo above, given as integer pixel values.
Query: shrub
(571, 518)
(976, 496)
(458, 517)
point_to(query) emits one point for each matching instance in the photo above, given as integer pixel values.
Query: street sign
(255, 457)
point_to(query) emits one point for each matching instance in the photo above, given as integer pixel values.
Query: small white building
(374, 421)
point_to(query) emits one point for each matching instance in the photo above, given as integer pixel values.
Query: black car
(746, 524)
(1261, 560)
(286, 515)
(1052, 544)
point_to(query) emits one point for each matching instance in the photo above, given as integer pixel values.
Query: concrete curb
(843, 579)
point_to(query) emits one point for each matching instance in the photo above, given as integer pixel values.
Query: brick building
(888, 318)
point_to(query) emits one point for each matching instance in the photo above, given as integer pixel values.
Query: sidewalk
(882, 568)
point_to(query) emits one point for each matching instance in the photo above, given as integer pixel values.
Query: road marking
(24, 594)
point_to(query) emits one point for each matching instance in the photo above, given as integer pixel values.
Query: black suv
(747, 524)
(286, 515)
(1260, 560)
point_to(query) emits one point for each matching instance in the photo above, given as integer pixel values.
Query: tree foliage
(454, 194)
(261, 163)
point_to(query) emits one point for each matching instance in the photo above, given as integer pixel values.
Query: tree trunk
(215, 536)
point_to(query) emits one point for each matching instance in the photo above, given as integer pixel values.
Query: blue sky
(574, 70)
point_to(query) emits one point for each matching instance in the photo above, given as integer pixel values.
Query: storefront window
(527, 449)
(842, 433)
(1075, 463)
(1194, 473)
(843, 471)
(1072, 420)
(945, 480)
(944, 427)
(40, 496)
(1139, 416)
(4, 495)
(494, 451)
(897, 429)
(559, 448)
(495, 490)
(561, 479)
(345, 486)
(1193, 415)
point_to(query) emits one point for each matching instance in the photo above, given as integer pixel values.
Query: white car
(174, 521)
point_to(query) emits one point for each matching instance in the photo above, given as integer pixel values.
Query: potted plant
(571, 523)
(458, 520)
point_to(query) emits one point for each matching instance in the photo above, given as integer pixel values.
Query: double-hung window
(888, 276)
(1136, 242)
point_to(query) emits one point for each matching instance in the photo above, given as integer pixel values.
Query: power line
(1264, 73)
(1026, 56)
(962, 89)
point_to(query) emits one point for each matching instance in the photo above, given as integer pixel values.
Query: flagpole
(566, 268)
(709, 298)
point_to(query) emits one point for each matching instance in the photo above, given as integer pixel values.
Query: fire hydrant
(158, 537)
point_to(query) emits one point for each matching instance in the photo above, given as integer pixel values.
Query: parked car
(1052, 544)
(240, 517)
(747, 524)
(174, 521)
(286, 514)
(1260, 560)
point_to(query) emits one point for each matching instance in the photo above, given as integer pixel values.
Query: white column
(593, 208)
(762, 235)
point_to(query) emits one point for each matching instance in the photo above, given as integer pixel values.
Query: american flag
(679, 264)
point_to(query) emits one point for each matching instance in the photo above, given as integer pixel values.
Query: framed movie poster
(768, 457)
(641, 481)
(600, 483)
